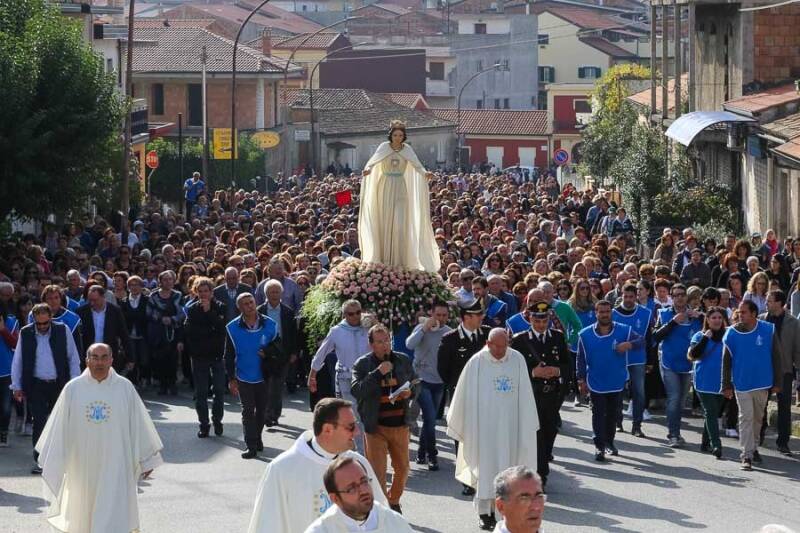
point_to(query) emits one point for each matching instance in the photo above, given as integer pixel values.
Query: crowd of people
(551, 290)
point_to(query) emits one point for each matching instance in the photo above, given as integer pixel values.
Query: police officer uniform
(548, 349)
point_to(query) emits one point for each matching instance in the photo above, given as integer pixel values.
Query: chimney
(266, 42)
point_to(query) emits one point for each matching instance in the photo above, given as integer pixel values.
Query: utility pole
(204, 60)
(126, 141)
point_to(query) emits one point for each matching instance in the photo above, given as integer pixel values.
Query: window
(547, 74)
(480, 28)
(158, 98)
(544, 38)
(479, 104)
(195, 104)
(109, 65)
(542, 101)
(589, 72)
(506, 103)
(436, 71)
(497, 103)
(582, 106)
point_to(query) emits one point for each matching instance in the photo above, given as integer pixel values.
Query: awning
(686, 128)
(339, 145)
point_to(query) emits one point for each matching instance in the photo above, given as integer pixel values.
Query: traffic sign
(151, 159)
(561, 156)
(266, 139)
(222, 143)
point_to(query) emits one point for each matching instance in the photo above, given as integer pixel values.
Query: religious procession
(505, 332)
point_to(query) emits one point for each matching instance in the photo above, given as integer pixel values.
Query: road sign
(561, 156)
(266, 139)
(151, 159)
(222, 141)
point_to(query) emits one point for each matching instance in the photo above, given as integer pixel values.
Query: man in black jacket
(228, 292)
(379, 378)
(456, 349)
(283, 316)
(99, 313)
(205, 343)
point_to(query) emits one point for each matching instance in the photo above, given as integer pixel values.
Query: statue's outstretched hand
(365, 172)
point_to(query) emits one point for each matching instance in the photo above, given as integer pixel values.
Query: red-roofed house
(503, 137)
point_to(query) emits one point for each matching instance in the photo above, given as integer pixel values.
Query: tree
(61, 113)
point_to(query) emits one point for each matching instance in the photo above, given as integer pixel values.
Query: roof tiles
(497, 121)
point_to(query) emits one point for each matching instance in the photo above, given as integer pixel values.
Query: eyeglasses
(355, 487)
(349, 427)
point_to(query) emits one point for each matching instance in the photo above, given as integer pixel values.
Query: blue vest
(606, 370)
(708, 370)
(495, 308)
(67, 317)
(58, 345)
(6, 352)
(587, 318)
(247, 343)
(517, 324)
(751, 356)
(672, 350)
(72, 305)
(639, 321)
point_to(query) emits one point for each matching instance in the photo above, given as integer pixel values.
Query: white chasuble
(394, 221)
(291, 494)
(98, 440)
(493, 416)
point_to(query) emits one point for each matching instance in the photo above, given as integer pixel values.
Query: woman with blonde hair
(757, 289)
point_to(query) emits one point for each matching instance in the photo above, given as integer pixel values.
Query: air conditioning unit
(735, 141)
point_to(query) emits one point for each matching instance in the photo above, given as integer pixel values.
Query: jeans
(41, 401)
(636, 384)
(712, 404)
(254, 403)
(6, 400)
(605, 407)
(430, 396)
(677, 385)
(784, 410)
(201, 370)
(343, 391)
(751, 416)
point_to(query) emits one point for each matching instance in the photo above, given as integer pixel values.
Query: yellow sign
(266, 139)
(222, 143)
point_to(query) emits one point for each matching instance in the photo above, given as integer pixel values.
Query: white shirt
(468, 333)
(44, 367)
(99, 321)
(354, 526)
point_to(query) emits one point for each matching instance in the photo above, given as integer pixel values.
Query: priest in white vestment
(354, 507)
(493, 417)
(394, 220)
(291, 494)
(97, 442)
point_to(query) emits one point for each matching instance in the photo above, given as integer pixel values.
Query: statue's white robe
(394, 221)
(98, 440)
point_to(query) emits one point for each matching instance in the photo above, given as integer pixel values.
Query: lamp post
(233, 87)
(126, 133)
(311, 98)
(498, 67)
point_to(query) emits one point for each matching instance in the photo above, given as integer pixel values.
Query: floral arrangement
(395, 296)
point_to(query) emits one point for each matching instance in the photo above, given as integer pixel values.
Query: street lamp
(311, 97)
(305, 40)
(233, 87)
(498, 67)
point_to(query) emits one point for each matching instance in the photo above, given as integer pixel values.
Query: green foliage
(611, 90)
(697, 205)
(61, 113)
(167, 181)
(320, 312)
(640, 173)
(606, 140)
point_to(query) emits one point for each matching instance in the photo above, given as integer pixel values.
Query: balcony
(566, 126)
(139, 117)
(97, 7)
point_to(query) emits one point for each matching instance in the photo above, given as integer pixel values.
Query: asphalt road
(204, 486)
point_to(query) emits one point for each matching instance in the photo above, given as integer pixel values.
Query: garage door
(527, 157)
(494, 154)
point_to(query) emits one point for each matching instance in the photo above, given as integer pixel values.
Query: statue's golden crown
(397, 124)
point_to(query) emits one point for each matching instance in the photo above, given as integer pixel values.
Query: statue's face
(397, 136)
